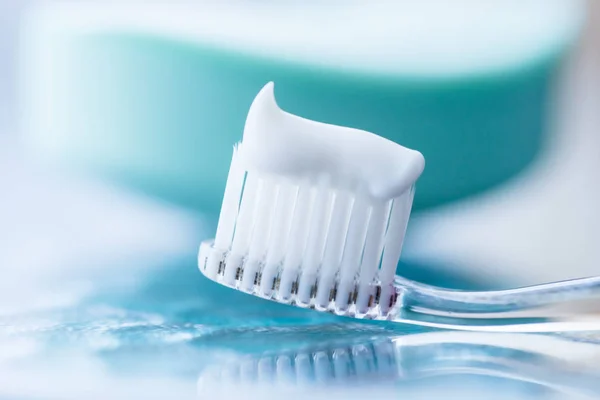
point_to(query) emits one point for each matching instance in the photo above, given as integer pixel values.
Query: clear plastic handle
(552, 307)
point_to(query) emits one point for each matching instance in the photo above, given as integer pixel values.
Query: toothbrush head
(313, 214)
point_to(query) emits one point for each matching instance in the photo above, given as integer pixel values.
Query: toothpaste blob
(279, 143)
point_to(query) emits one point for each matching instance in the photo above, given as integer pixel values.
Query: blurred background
(116, 126)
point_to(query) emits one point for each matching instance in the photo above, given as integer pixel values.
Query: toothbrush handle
(527, 309)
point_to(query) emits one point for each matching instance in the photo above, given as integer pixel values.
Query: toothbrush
(314, 215)
(561, 365)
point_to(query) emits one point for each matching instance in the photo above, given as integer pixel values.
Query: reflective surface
(415, 360)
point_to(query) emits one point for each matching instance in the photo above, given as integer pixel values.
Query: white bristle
(313, 254)
(309, 243)
(231, 200)
(229, 212)
(262, 214)
(334, 246)
(372, 254)
(243, 229)
(280, 228)
(353, 249)
(393, 246)
(262, 219)
(297, 241)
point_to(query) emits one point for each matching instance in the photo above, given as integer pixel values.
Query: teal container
(161, 114)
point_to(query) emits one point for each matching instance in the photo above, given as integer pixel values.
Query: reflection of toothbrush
(314, 215)
(557, 364)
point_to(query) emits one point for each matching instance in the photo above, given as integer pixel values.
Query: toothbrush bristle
(308, 243)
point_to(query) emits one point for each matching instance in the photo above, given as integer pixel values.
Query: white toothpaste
(279, 143)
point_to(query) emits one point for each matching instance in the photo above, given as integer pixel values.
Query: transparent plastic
(552, 307)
